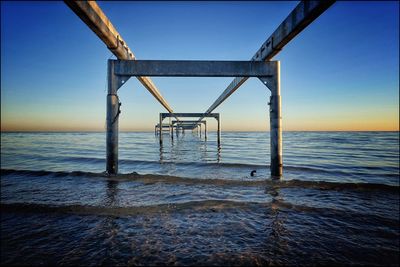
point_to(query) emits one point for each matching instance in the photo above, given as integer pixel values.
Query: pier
(190, 124)
(259, 66)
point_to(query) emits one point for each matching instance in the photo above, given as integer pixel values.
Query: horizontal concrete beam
(190, 115)
(304, 13)
(188, 127)
(164, 126)
(189, 122)
(194, 68)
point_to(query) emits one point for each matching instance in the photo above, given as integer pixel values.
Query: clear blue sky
(340, 73)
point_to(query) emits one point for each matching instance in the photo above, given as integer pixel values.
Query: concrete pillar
(113, 110)
(171, 127)
(276, 126)
(205, 130)
(160, 127)
(200, 130)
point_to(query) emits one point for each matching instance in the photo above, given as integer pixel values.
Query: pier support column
(275, 116)
(205, 130)
(200, 131)
(171, 129)
(114, 82)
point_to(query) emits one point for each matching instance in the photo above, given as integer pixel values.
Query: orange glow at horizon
(289, 124)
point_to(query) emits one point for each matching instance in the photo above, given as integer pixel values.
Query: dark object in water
(253, 172)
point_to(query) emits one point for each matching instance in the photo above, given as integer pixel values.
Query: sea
(190, 202)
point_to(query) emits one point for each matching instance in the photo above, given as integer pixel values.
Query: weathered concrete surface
(193, 68)
(275, 116)
(113, 110)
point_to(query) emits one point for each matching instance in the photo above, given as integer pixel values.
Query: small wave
(345, 171)
(85, 159)
(197, 164)
(50, 173)
(323, 185)
(205, 205)
(189, 163)
(152, 178)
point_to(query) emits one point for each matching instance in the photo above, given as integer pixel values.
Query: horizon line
(145, 131)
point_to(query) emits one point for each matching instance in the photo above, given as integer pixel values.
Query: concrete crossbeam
(190, 115)
(188, 122)
(193, 68)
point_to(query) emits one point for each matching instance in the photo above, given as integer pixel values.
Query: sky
(339, 74)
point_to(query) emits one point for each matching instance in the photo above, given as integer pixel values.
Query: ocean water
(192, 203)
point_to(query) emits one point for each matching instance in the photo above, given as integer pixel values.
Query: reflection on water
(371, 157)
(277, 231)
(161, 154)
(111, 194)
(172, 148)
(337, 205)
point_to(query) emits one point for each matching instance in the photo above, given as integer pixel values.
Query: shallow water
(190, 203)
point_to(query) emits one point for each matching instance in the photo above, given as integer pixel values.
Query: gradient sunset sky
(340, 73)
